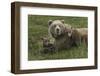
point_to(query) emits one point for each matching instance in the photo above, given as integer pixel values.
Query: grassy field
(38, 28)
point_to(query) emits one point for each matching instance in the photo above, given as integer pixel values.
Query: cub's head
(56, 28)
(46, 41)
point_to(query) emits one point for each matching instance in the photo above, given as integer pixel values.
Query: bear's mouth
(58, 32)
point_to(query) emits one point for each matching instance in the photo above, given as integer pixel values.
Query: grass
(38, 27)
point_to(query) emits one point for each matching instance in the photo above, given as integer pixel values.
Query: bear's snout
(58, 30)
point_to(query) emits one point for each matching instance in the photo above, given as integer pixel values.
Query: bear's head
(46, 41)
(56, 28)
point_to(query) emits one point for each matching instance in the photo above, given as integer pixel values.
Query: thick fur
(84, 35)
(59, 31)
(65, 36)
(79, 35)
(48, 47)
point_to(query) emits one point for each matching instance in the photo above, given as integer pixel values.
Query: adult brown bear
(60, 31)
(65, 36)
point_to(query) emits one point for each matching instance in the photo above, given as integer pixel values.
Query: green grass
(38, 28)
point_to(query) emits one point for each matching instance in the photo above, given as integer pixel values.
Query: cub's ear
(62, 21)
(50, 22)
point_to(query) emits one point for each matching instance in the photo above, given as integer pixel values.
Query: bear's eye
(54, 25)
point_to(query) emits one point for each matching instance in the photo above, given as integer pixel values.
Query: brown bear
(65, 36)
(84, 35)
(48, 47)
(59, 31)
(79, 35)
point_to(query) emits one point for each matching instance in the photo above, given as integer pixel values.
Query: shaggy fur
(48, 47)
(65, 36)
(59, 31)
(79, 35)
(84, 35)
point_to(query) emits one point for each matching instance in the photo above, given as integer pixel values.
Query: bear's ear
(50, 22)
(62, 21)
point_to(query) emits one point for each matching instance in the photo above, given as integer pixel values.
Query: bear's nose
(57, 29)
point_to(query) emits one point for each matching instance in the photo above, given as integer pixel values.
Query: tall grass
(38, 27)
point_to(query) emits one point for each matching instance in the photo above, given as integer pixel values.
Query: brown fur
(84, 35)
(62, 41)
(47, 45)
(79, 35)
(67, 36)
(75, 37)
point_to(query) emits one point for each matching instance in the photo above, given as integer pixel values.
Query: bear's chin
(57, 36)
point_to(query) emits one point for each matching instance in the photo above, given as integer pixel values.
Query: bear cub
(48, 47)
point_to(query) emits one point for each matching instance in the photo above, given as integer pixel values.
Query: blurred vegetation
(38, 28)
